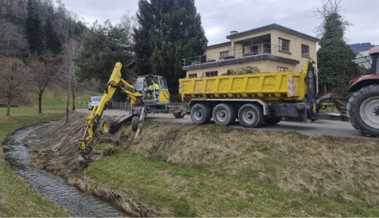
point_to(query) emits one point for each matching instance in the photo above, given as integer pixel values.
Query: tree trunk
(73, 94)
(40, 94)
(8, 108)
(68, 101)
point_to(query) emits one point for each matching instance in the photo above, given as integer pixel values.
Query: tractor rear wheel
(363, 108)
(201, 113)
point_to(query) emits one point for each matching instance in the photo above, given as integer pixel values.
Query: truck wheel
(363, 108)
(200, 113)
(250, 116)
(224, 114)
(272, 121)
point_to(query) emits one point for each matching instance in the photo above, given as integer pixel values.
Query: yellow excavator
(93, 120)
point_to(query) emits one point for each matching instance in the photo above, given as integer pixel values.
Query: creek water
(55, 188)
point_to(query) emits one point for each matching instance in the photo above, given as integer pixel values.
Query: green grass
(52, 102)
(17, 198)
(185, 190)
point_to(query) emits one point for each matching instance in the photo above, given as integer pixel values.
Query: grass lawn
(16, 197)
(190, 191)
(185, 170)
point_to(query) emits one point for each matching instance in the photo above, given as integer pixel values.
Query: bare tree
(13, 81)
(43, 71)
(67, 72)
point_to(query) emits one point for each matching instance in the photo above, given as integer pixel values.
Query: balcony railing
(245, 51)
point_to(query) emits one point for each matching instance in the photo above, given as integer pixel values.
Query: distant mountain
(361, 47)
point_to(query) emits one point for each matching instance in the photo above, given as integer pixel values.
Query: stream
(55, 188)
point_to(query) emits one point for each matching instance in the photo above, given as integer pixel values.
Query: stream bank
(55, 188)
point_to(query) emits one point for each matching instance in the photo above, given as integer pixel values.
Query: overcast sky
(219, 17)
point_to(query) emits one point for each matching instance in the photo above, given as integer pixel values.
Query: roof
(361, 47)
(242, 60)
(219, 45)
(272, 27)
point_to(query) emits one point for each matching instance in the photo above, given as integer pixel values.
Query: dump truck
(260, 99)
(255, 99)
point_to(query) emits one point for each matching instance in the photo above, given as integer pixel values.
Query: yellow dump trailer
(282, 86)
(254, 99)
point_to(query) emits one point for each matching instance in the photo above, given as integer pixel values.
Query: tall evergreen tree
(142, 38)
(34, 33)
(168, 32)
(335, 57)
(52, 42)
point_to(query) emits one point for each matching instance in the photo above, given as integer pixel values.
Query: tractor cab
(156, 95)
(374, 52)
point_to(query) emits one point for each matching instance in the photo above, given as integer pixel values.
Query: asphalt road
(318, 128)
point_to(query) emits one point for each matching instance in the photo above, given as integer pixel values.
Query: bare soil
(55, 149)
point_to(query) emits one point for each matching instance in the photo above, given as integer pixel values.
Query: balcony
(244, 51)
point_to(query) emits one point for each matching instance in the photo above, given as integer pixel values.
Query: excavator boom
(93, 119)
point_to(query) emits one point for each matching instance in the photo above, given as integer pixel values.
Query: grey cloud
(221, 16)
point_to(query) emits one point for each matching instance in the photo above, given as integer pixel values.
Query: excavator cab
(154, 89)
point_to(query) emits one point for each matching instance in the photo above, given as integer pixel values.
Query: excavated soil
(54, 147)
(343, 168)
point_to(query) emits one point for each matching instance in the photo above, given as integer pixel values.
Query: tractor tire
(363, 109)
(250, 116)
(272, 121)
(201, 113)
(224, 114)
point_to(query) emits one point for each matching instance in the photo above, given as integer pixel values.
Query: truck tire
(363, 108)
(250, 116)
(200, 113)
(224, 114)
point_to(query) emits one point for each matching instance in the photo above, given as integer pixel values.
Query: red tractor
(363, 105)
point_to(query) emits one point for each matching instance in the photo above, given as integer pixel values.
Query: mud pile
(55, 145)
(55, 149)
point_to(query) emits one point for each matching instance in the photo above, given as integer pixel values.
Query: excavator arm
(93, 119)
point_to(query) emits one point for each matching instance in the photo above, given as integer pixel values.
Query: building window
(192, 75)
(254, 50)
(284, 45)
(267, 48)
(282, 69)
(224, 54)
(305, 51)
(211, 74)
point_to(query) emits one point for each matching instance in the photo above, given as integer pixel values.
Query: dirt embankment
(55, 149)
(343, 168)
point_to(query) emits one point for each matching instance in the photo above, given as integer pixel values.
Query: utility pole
(68, 62)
